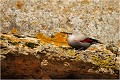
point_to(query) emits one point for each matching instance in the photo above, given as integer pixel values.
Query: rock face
(20, 66)
(46, 58)
(32, 46)
(95, 18)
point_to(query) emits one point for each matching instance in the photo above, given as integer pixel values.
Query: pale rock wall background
(95, 18)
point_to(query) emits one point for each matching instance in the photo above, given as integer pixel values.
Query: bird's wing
(87, 40)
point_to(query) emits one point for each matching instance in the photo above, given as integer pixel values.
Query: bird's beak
(65, 32)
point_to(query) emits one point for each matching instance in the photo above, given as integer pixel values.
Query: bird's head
(68, 34)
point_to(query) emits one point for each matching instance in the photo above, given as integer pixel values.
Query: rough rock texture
(45, 58)
(32, 47)
(95, 18)
(20, 66)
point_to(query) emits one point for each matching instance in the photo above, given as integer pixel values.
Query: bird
(79, 41)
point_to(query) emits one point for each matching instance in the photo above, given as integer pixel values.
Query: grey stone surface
(95, 18)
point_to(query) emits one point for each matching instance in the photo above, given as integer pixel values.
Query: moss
(31, 45)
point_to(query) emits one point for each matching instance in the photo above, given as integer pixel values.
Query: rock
(29, 17)
(56, 62)
(113, 48)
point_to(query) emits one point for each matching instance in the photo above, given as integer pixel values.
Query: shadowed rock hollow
(20, 66)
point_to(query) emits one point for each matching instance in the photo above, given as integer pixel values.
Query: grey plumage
(79, 41)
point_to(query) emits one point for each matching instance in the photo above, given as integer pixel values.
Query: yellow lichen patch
(78, 57)
(14, 31)
(58, 40)
(71, 52)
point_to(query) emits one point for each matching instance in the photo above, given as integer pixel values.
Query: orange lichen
(43, 38)
(19, 4)
(58, 40)
(14, 30)
(60, 37)
(40, 36)
(66, 10)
